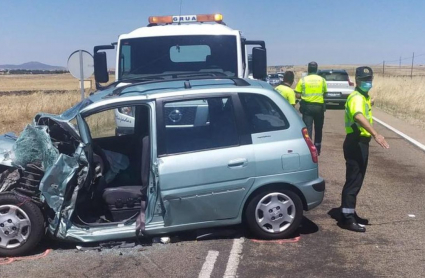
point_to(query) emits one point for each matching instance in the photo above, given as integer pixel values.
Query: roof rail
(207, 76)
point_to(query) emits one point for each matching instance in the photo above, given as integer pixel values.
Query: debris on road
(163, 240)
(107, 245)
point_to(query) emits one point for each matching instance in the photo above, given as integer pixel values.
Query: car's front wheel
(21, 225)
(274, 213)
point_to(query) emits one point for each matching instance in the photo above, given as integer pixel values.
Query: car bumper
(341, 98)
(335, 100)
(314, 192)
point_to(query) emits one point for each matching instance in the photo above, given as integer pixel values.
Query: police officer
(311, 89)
(285, 88)
(358, 126)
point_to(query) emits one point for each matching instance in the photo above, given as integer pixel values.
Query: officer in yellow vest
(358, 126)
(285, 88)
(311, 89)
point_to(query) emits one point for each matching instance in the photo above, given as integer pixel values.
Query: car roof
(332, 70)
(167, 88)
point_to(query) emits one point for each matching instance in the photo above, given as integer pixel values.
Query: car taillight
(311, 147)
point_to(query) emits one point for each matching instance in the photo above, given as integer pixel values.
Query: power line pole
(399, 64)
(383, 68)
(411, 70)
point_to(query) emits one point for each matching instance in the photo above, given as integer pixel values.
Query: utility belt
(356, 137)
(304, 104)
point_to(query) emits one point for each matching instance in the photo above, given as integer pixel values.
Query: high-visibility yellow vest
(312, 88)
(287, 93)
(356, 104)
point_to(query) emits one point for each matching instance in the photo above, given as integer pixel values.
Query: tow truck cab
(179, 44)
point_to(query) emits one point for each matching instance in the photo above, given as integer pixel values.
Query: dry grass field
(402, 97)
(23, 96)
(399, 95)
(38, 82)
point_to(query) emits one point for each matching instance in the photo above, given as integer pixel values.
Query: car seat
(124, 202)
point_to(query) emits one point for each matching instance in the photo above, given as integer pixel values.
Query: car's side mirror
(259, 63)
(100, 67)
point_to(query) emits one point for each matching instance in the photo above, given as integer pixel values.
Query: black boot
(318, 147)
(352, 225)
(362, 221)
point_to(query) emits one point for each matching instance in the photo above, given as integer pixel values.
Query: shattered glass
(35, 146)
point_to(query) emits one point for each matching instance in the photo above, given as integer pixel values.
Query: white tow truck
(175, 46)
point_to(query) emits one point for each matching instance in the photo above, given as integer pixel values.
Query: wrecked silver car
(201, 152)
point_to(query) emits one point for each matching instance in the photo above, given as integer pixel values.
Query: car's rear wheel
(274, 213)
(21, 225)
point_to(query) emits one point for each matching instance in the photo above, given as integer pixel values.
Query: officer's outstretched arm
(366, 125)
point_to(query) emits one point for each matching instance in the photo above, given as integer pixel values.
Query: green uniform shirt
(312, 88)
(357, 103)
(287, 93)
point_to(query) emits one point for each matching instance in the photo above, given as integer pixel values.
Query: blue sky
(296, 32)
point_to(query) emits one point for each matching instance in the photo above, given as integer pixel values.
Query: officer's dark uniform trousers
(314, 113)
(356, 154)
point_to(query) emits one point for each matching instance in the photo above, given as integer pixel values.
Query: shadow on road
(335, 214)
(307, 227)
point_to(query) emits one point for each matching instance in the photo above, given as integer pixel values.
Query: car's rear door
(205, 158)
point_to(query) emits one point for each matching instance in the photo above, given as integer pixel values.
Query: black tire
(250, 215)
(36, 219)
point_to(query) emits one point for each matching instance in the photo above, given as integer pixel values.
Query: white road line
(208, 265)
(235, 254)
(408, 138)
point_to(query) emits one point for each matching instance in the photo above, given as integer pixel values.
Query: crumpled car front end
(47, 165)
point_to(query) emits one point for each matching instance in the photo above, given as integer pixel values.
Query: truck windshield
(174, 54)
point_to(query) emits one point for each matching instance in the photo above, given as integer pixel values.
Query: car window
(199, 125)
(334, 76)
(262, 113)
(111, 122)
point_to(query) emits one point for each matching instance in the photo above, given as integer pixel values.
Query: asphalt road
(393, 245)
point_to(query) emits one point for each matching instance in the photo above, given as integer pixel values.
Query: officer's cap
(364, 73)
(312, 67)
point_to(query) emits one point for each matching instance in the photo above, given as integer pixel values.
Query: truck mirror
(100, 67)
(259, 63)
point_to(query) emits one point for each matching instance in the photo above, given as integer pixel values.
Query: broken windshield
(157, 55)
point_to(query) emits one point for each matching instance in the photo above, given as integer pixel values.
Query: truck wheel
(21, 225)
(274, 214)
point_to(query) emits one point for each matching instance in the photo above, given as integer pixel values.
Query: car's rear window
(334, 76)
(262, 114)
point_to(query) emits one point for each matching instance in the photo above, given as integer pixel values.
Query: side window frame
(113, 106)
(241, 125)
(274, 106)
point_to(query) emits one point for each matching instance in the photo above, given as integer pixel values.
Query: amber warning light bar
(185, 18)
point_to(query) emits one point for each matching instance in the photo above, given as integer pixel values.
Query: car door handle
(237, 163)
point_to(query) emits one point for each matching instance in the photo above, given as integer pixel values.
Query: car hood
(6, 145)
